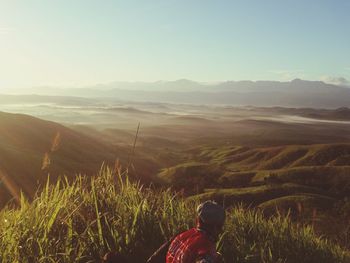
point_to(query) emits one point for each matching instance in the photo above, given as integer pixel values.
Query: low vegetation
(79, 221)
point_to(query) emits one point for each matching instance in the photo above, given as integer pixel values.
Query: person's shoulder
(203, 236)
(201, 240)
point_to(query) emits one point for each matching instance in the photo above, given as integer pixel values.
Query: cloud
(288, 74)
(341, 81)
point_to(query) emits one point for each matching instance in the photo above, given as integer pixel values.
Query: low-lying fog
(184, 125)
(112, 115)
(296, 119)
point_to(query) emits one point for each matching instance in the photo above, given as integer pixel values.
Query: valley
(280, 160)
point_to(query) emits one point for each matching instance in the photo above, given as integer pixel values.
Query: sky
(85, 42)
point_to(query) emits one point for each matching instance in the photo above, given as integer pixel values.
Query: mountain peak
(297, 80)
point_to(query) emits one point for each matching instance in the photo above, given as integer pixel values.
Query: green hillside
(300, 205)
(323, 166)
(31, 149)
(278, 157)
(254, 195)
(278, 179)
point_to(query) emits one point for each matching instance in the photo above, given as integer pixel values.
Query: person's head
(211, 217)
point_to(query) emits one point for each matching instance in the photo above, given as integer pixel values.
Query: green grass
(81, 220)
(333, 178)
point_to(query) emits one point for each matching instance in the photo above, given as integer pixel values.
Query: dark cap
(211, 213)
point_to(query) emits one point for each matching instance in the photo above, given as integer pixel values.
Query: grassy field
(263, 165)
(81, 220)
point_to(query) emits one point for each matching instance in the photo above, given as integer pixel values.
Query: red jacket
(192, 246)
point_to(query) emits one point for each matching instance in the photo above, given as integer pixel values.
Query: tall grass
(80, 221)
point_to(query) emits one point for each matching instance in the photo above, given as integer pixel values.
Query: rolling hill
(32, 149)
(309, 183)
(254, 175)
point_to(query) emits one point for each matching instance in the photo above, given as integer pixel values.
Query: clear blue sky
(83, 42)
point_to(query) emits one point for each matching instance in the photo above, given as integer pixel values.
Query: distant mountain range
(296, 93)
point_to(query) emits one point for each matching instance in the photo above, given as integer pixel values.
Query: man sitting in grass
(196, 244)
(199, 244)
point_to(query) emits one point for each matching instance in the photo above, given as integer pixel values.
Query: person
(197, 244)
